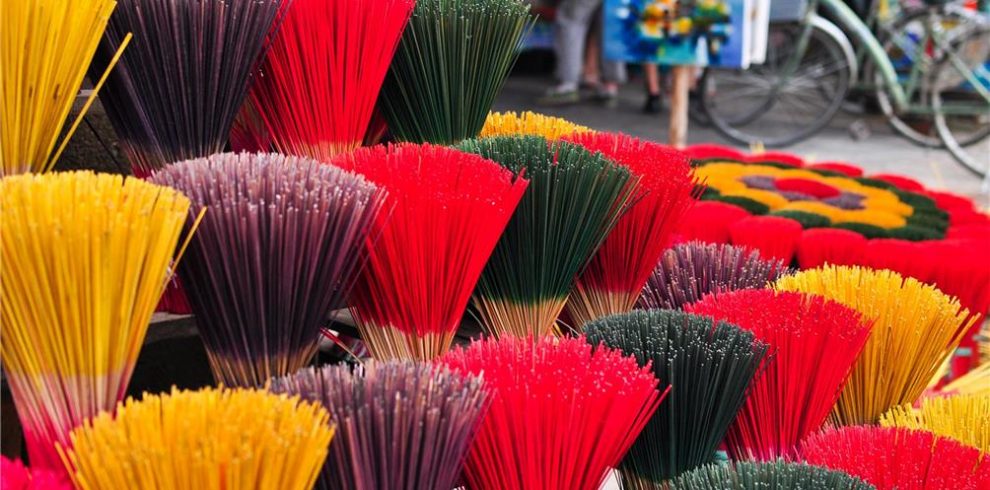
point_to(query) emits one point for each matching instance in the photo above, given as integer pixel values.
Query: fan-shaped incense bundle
(974, 382)
(322, 75)
(708, 367)
(917, 327)
(688, 271)
(814, 344)
(15, 476)
(562, 413)
(209, 439)
(574, 199)
(180, 85)
(835, 246)
(400, 425)
(84, 259)
(531, 124)
(965, 418)
(450, 210)
(450, 64)
(775, 237)
(614, 278)
(278, 250)
(899, 459)
(775, 475)
(709, 221)
(45, 48)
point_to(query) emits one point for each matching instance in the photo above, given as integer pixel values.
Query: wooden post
(677, 136)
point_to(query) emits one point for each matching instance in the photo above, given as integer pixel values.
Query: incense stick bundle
(774, 237)
(917, 328)
(208, 439)
(974, 382)
(688, 271)
(775, 475)
(278, 250)
(400, 425)
(814, 344)
(529, 124)
(179, 87)
(450, 210)
(835, 246)
(574, 199)
(45, 48)
(965, 418)
(321, 77)
(562, 412)
(897, 459)
(708, 367)
(614, 278)
(85, 258)
(15, 476)
(451, 63)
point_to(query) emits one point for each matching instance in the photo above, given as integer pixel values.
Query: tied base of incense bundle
(180, 85)
(574, 199)
(614, 277)
(814, 343)
(965, 418)
(278, 250)
(916, 328)
(39, 80)
(708, 366)
(450, 210)
(431, 93)
(562, 412)
(687, 272)
(770, 475)
(400, 424)
(309, 100)
(84, 259)
(210, 439)
(529, 124)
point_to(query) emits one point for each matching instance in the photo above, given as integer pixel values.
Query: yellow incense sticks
(917, 327)
(45, 49)
(202, 440)
(529, 124)
(975, 382)
(965, 418)
(84, 259)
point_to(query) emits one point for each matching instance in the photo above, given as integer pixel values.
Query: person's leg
(570, 32)
(613, 74)
(591, 75)
(653, 100)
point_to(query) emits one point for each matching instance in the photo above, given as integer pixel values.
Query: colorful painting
(676, 32)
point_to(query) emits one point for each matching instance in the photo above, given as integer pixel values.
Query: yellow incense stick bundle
(975, 382)
(204, 440)
(45, 48)
(916, 328)
(965, 418)
(84, 258)
(529, 124)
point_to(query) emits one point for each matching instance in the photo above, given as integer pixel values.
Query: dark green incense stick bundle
(451, 63)
(708, 365)
(573, 200)
(776, 475)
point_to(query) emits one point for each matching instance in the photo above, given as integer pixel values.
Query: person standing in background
(571, 28)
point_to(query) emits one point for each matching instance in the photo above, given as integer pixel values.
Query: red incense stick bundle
(813, 344)
(709, 221)
(899, 459)
(775, 237)
(820, 246)
(615, 275)
(450, 210)
(319, 82)
(562, 412)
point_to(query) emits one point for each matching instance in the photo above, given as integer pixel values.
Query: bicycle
(928, 74)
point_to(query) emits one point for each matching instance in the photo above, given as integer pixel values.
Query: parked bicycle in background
(925, 63)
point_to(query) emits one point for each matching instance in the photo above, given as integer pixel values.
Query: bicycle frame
(853, 24)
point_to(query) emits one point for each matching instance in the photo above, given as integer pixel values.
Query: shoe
(653, 104)
(557, 96)
(607, 97)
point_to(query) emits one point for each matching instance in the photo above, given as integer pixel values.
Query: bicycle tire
(772, 106)
(972, 151)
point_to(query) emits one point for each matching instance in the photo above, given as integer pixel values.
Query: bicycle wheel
(766, 105)
(909, 47)
(962, 113)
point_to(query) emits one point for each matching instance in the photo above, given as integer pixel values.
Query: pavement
(882, 151)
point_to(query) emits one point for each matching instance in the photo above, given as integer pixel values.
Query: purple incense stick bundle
(401, 425)
(688, 271)
(278, 249)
